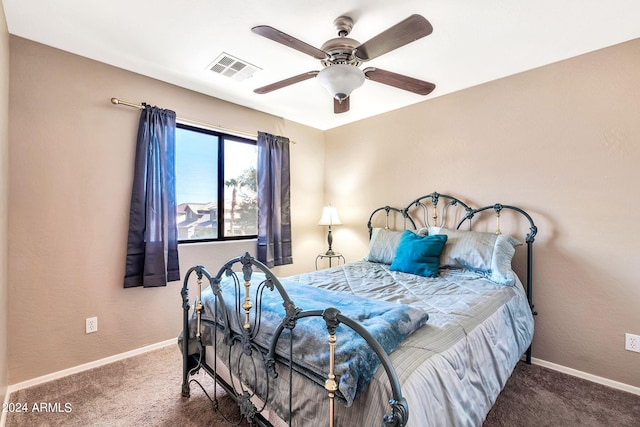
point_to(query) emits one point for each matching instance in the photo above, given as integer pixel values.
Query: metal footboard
(252, 365)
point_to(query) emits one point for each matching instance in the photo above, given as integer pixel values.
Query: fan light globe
(341, 79)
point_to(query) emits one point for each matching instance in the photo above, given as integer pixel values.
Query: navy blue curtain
(274, 207)
(152, 248)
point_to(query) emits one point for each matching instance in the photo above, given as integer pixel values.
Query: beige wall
(4, 176)
(71, 166)
(562, 142)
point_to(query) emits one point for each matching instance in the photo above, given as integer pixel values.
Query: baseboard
(586, 376)
(85, 367)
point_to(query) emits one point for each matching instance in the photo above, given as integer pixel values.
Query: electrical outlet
(632, 342)
(91, 325)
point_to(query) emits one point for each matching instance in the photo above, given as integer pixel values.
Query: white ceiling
(473, 42)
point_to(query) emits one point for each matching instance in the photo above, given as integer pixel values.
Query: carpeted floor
(536, 396)
(146, 391)
(143, 390)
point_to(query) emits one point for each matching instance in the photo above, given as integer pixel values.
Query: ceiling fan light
(341, 79)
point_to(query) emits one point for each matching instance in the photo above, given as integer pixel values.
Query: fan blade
(280, 37)
(404, 32)
(398, 80)
(341, 107)
(286, 82)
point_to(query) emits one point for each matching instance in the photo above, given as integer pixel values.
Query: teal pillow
(419, 255)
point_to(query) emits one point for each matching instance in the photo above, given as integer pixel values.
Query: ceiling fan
(341, 58)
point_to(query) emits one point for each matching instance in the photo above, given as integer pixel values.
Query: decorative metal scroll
(333, 318)
(247, 319)
(436, 202)
(388, 210)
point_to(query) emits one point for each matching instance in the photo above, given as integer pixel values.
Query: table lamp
(329, 217)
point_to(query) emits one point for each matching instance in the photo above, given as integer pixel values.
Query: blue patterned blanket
(355, 362)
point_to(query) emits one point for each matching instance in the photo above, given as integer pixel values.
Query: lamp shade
(341, 79)
(329, 216)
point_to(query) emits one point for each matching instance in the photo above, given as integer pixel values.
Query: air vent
(232, 67)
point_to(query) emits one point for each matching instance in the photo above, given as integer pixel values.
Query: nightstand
(335, 255)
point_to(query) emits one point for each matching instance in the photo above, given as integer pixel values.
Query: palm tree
(234, 184)
(248, 202)
(248, 206)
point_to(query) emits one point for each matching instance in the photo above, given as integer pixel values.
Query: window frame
(222, 137)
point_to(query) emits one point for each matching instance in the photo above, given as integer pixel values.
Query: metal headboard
(437, 217)
(434, 209)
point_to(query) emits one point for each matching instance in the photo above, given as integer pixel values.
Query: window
(216, 185)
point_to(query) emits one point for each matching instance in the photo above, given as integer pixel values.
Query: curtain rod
(117, 101)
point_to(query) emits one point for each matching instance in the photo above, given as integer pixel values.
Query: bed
(424, 330)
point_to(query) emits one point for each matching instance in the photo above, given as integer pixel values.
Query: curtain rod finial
(115, 101)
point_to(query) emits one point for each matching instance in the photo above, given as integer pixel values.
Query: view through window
(216, 185)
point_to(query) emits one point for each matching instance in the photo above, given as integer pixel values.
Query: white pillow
(383, 244)
(486, 253)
